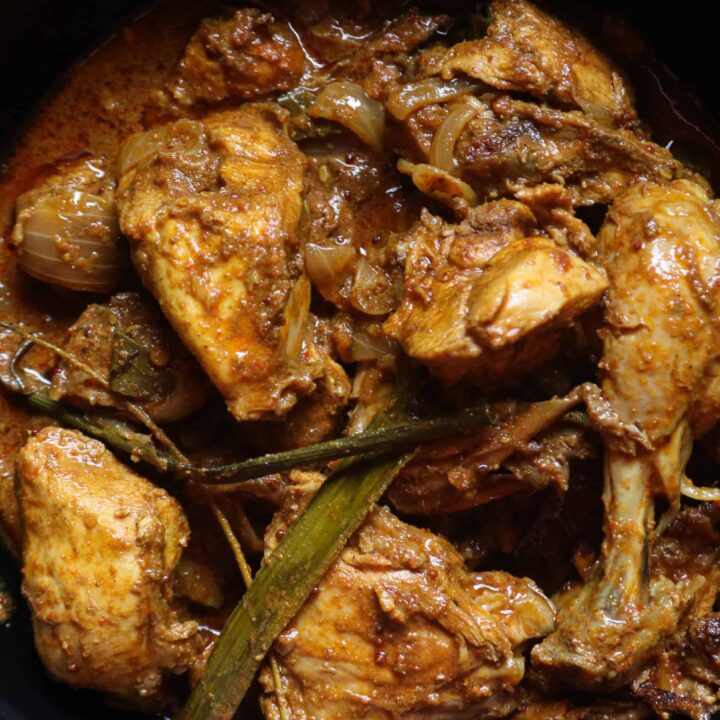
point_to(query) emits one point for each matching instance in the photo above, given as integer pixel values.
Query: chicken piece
(247, 56)
(527, 51)
(525, 449)
(129, 343)
(522, 144)
(100, 545)
(568, 710)
(399, 629)
(486, 299)
(372, 50)
(316, 417)
(211, 209)
(508, 145)
(661, 247)
(685, 679)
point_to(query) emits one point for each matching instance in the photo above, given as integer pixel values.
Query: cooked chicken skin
(527, 51)
(99, 548)
(211, 209)
(485, 299)
(520, 144)
(399, 629)
(661, 247)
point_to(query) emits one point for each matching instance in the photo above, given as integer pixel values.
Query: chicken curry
(359, 361)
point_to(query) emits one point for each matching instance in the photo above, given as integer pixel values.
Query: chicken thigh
(100, 545)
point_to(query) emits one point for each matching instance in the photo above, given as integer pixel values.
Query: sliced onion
(138, 148)
(73, 240)
(442, 150)
(346, 103)
(372, 290)
(409, 98)
(327, 265)
(297, 311)
(701, 494)
(188, 395)
(368, 345)
(438, 184)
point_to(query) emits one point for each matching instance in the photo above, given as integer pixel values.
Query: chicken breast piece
(485, 299)
(100, 545)
(399, 629)
(211, 209)
(527, 51)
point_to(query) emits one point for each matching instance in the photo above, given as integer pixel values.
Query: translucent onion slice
(404, 102)
(701, 494)
(442, 150)
(439, 184)
(371, 346)
(346, 103)
(328, 265)
(188, 395)
(372, 290)
(73, 240)
(296, 316)
(138, 148)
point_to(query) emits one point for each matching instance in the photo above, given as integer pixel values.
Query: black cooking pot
(39, 39)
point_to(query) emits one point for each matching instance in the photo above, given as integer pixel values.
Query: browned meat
(666, 236)
(245, 57)
(486, 299)
(129, 343)
(528, 448)
(661, 247)
(601, 710)
(372, 50)
(100, 545)
(527, 51)
(685, 679)
(212, 209)
(399, 629)
(508, 145)
(315, 418)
